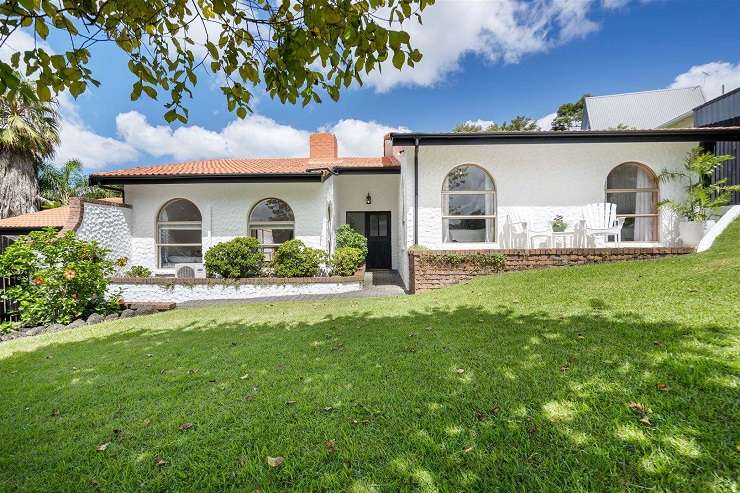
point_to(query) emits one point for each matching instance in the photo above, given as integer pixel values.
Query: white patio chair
(601, 220)
(520, 232)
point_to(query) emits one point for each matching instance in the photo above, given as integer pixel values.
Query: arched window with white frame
(271, 221)
(468, 206)
(634, 188)
(179, 234)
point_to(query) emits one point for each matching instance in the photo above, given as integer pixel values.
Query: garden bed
(174, 290)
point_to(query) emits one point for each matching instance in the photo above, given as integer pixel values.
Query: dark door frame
(367, 234)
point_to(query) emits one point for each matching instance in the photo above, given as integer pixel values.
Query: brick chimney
(323, 146)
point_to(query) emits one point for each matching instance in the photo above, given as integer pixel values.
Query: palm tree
(58, 184)
(29, 131)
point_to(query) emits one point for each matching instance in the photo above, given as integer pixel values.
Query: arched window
(179, 237)
(468, 206)
(634, 188)
(272, 223)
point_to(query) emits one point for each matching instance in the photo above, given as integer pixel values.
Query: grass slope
(515, 382)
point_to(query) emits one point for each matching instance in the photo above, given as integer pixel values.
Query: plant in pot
(558, 224)
(704, 197)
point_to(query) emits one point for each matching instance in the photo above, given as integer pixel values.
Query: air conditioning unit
(189, 271)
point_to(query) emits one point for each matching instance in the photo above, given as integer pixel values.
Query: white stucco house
(438, 191)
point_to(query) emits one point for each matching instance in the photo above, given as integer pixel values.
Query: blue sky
(484, 59)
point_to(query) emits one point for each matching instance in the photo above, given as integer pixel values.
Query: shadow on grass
(470, 399)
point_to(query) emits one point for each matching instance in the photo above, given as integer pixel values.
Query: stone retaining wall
(426, 274)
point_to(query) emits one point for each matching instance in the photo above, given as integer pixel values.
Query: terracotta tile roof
(277, 166)
(55, 218)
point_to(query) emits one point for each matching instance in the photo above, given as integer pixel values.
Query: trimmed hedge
(240, 257)
(346, 261)
(348, 237)
(294, 259)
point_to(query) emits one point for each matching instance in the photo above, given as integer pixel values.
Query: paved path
(377, 283)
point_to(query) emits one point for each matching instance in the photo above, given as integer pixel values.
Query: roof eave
(204, 178)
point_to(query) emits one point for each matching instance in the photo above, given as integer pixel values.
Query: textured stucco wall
(225, 208)
(351, 191)
(534, 180)
(109, 225)
(153, 293)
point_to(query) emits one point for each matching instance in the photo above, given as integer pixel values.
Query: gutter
(191, 178)
(416, 191)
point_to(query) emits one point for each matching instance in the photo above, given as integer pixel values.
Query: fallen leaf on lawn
(102, 446)
(149, 355)
(581, 336)
(638, 408)
(146, 422)
(186, 426)
(290, 402)
(249, 397)
(328, 409)
(663, 387)
(160, 461)
(331, 445)
(275, 461)
(564, 368)
(55, 412)
(469, 449)
(657, 343)
(460, 371)
(646, 421)
(244, 377)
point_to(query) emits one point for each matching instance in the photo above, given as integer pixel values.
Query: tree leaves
(311, 50)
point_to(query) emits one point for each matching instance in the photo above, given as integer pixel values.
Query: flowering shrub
(348, 237)
(59, 278)
(294, 259)
(240, 257)
(346, 261)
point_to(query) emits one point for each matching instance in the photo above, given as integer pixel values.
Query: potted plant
(558, 225)
(704, 197)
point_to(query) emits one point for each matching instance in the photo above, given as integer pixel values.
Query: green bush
(294, 259)
(348, 237)
(59, 278)
(138, 271)
(240, 257)
(346, 261)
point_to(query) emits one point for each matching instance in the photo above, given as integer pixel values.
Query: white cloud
(93, 150)
(255, 136)
(545, 123)
(710, 76)
(497, 30)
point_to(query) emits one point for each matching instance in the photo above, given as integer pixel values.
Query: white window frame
(269, 248)
(655, 190)
(445, 205)
(178, 225)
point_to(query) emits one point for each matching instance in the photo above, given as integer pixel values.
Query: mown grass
(519, 382)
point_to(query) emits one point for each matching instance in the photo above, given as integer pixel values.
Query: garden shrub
(346, 261)
(59, 278)
(240, 257)
(294, 259)
(138, 271)
(347, 236)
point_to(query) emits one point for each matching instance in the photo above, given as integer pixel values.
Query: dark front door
(376, 226)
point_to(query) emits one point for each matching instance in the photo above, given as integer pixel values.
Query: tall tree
(296, 50)
(519, 123)
(59, 183)
(570, 115)
(29, 130)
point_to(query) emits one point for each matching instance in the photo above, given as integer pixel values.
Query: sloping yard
(609, 377)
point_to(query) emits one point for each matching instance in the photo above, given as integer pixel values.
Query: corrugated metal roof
(647, 109)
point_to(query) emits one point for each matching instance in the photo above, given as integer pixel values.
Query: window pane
(271, 210)
(270, 236)
(634, 202)
(169, 235)
(639, 229)
(179, 210)
(469, 205)
(630, 176)
(469, 230)
(357, 221)
(170, 255)
(468, 178)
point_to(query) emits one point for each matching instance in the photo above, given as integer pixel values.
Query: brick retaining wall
(425, 275)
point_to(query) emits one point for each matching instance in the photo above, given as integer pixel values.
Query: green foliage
(558, 224)
(29, 125)
(60, 278)
(240, 257)
(296, 50)
(495, 262)
(138, 271)
(348, 237)
(519, 123)
(346, 261)
(59, 183)
(294, 259)
(705, 196)
(570, 115)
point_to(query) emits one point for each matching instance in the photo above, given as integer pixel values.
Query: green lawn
(611, 377)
